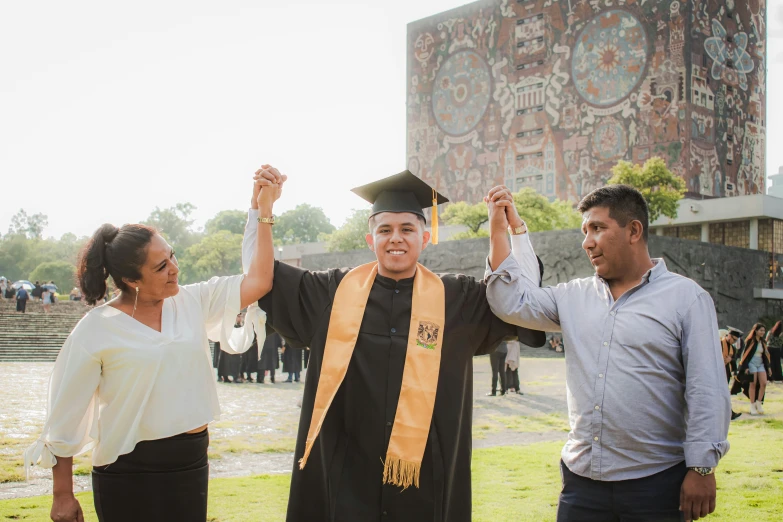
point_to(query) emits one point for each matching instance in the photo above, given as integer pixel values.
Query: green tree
(231, 220)
(15, 250)
(351, 235)
(304, 224)
(660, 187)
(61, 272)
(471, 216)
(174, 224)
(217, 254)
(31, 226)
(541, 215)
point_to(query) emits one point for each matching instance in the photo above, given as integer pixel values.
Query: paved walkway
(257, 428)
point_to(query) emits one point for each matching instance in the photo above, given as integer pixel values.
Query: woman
(133, 380)
(46, 302)
(755, 361)
(774, 345)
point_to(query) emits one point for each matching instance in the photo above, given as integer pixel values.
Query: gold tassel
(401, 473)
(434, 217)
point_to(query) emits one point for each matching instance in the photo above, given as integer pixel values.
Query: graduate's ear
(370, 241)
(425, 238)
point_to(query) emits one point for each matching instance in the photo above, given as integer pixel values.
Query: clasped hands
(267, 187)
(502, 210)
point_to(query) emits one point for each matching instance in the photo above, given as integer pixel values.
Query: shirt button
(388, 423)
(606, 343)
(394, 330)
(385, 513)
(600, 375)
(597, 407)
(595, 439)
(396, 291)
(612, 313)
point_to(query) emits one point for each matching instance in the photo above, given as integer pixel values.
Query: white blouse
(117, 382)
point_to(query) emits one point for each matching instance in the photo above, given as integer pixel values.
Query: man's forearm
(263, 262)
(499, 248)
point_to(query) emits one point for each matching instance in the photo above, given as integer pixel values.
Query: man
(497, 360)
(385, 430)
(270, 357)
(21, 299)
(511, 367)
(649, 413)
(729, 351)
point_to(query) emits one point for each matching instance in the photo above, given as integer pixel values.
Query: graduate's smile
(397, 252)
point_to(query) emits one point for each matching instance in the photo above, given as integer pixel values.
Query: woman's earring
(135, 302)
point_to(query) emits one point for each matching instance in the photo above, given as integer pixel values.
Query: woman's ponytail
(119, 252)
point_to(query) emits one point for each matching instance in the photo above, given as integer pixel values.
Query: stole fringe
(401, 473)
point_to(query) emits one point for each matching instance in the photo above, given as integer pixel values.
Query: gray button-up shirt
(646, 386)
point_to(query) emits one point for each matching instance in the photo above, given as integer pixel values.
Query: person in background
(10, 291)
(46, 295)
(270, 357)
(132, 382)
(21, 299)
(497, 361)
(76, 294)
(249, 364)
(755, 365)
(512, 368)
(3, 286)
(37, 291)
(774, 345)
(292, 362)
(729, 352)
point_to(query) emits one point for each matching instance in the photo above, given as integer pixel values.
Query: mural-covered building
(550, 94)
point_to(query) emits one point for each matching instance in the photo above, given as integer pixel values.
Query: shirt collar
(658, 269)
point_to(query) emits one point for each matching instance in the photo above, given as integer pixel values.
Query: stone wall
(729, 274)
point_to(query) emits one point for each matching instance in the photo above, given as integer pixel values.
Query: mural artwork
(550, 94)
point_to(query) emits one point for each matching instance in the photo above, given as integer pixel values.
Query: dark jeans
(512, 378)
(498, 362)
(650, 499)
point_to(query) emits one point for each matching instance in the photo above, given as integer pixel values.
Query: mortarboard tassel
(434, 217)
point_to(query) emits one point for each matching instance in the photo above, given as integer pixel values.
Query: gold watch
(270, 220)
(516, 231)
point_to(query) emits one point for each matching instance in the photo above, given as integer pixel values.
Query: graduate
(385, 429)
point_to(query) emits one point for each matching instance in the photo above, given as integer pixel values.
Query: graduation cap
(736, 332)
(403, 192)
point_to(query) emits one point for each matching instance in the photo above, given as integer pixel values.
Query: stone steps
(35, 335)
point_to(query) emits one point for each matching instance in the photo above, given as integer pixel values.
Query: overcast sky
(108, 109)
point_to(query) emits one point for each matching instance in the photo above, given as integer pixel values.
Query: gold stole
(402, 466)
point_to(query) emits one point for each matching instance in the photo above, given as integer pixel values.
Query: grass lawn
(519, 483)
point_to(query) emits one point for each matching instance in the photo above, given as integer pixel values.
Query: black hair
(624, 202)
(752, 334)
(111, 251)
(371, 222)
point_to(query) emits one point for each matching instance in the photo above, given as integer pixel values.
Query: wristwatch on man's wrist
(703, 471)
(270, 220)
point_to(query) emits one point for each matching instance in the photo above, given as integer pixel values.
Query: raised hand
(267, 187)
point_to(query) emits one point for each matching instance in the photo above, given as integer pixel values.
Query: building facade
(550, 94)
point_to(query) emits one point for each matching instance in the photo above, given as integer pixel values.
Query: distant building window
(526, 134)
(520, 112)
(529, 65)
(529, 19)
(528, 43)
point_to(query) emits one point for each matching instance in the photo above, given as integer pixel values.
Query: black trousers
(159, 481)
(498, 362)
(21, 305)
(774, 362)
(512, 378)
(650, 499)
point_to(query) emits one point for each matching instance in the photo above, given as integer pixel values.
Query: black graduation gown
(292, 359)
(270, 359)
(343, 479)
(250, 358)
